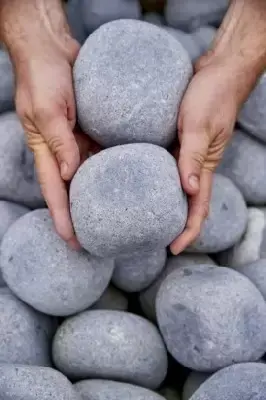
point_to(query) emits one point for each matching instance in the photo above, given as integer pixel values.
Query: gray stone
(25, 334)
(169, 393)
(7, 83)
(244, 162)
(18, 182)
(19, 382)
(131, 91)
(138, 270)
(154, 18)
(147, 297)
(98, 389)
(111, 299)
(126, 199)
(211, 317)
(75, 18)
(43, 271)
(111, 345)
(193, 382)
(227, 219)
(256, 272)
(237, 382)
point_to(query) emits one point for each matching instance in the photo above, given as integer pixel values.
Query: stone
(227, 219)
(99, 389)
(169, 393)
(238, 382)
(130, 92)
(154, 18)
(211, 317)
(25, 334)
(256, 272)
(138, 270)
(41, 269)
(18, 182)
(127, 198)
(7, 83)
(75, 18)
(193, 382)
(147, 297)
(19, 382)
(112, 345)
(244, 162)
(111, 299)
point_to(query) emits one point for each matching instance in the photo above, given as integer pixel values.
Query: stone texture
(130, 92)
(111, 299)
(43, 271)
(256, 272)
(111, 345)
(138, 270)
(211, 317)
(193, 382)
(75, 19)
(126, 199)
(7, 83)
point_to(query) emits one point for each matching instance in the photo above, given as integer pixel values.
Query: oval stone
(111, 299)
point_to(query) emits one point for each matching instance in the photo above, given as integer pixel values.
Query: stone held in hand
(111, 299)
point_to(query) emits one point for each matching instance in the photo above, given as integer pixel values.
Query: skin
(43, 52)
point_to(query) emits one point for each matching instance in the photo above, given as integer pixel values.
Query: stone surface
(211, 317)
(126, 199)
(130, 92)
(98, 389)
(256, 272)
(7, 83)
(111, 299)
(147, 297)
(227, 219)
(19, 382)
(137, 271)
(193, 382)
(244, 162)
(43, 271)
(75, 19)
(111, 345)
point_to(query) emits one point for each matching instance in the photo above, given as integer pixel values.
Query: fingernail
(194, 182)
(64, 168)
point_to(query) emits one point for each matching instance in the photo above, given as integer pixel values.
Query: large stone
(211, 317)
(43, 271)
(111, 345)
(111, 299)
(75, 18)
(154, 18)
(126, 199)
(256, 272)
(193, 382)
(131, 91)
(7, 83)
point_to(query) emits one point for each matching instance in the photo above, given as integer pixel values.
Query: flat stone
(111, 299)
(130, 92)
(193, 382)
(138, 270)
(7, 83)
(211, 317)
(256, 272)
(43, 271)
(127, 198)
(112, 345)
(75, 18)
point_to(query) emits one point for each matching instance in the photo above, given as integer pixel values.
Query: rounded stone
(154, 18)
(7, 83)
(244, 162)
(111, 299)
(75, 18)
(126, 199)
(211, 317)
(112, 345)
(98, 389)
(19, 382)
(41, 269)
(193, 382)
(227, 219)
(256, 272)
(147, 297)
(138, 270)
(130, 92)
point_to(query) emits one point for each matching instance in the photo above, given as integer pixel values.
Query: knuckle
(55, 143)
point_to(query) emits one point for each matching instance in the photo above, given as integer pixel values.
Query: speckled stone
(19, 382)
(147, 297)
(169, 393)
(7, 83)
(75, 18)
(137, 271)
(211, 317)
(43, 271)
(193, 382)
(18, 182)
(237, 382)
(126, 199)
(130, 92)
(256, 272)
(25, 334)
(98, 389)
(111, 299)
(244, 162)
(227, 219)
(111, 345)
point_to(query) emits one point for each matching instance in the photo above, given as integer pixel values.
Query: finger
(198, 211)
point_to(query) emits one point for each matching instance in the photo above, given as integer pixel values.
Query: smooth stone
(127, 198)
(75, 20)
(20, 382)
(147, 297)
(111, 345)
(211, 317)
(42, 270)
(193, 382)
(244, 162)
(7, 83)
(111, 299)
(130, 92)
(154, 18)
(138, 270)
(256, 272)
(99, 389)
(169, 393)
(227, 219)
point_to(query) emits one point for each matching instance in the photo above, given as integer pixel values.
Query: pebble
(193, 382)
(130, 92)
(111, 299)
(211, 317)
(138, 270)
(75, 20)
(111, 345)
(7, 83)
(127, 198)
(256, 272)
(42, 270)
